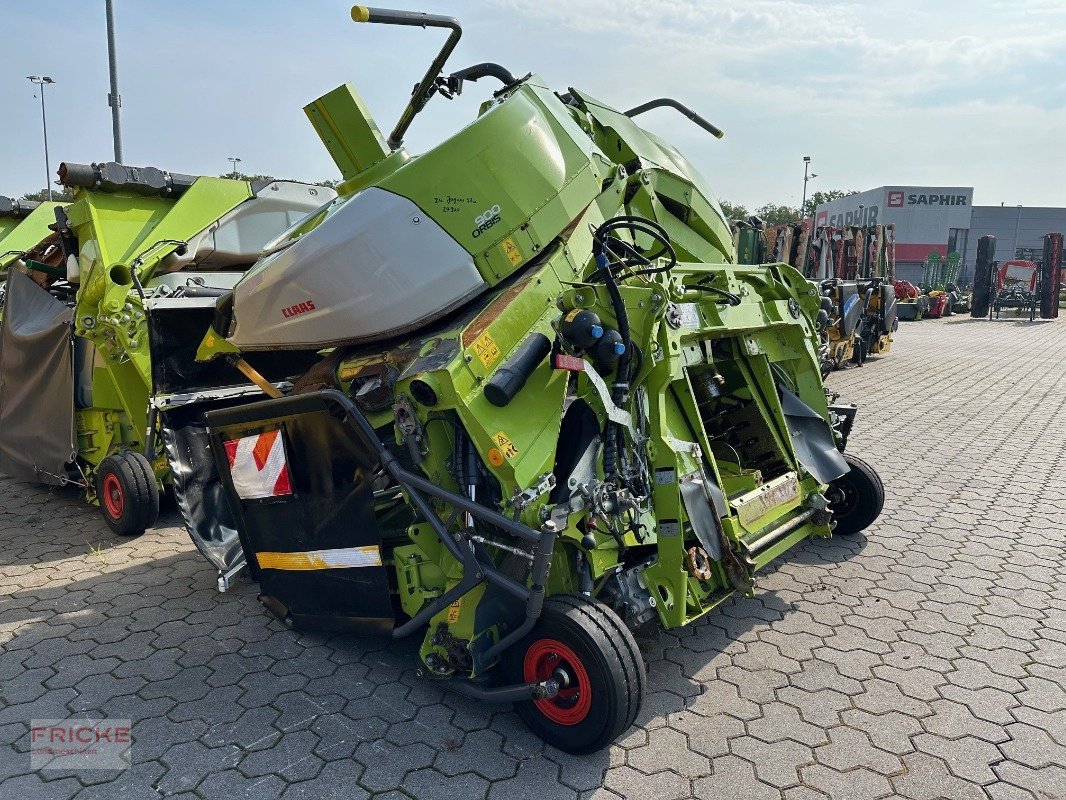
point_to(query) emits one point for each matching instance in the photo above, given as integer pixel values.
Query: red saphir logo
(299, 308)
(821, 218)
(895, 199)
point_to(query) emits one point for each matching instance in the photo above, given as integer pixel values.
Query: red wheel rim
(572, 704)
(113, 496)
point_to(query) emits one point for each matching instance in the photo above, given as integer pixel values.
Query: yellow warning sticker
(453, 611)
(506, 445)
(510, 249)
(487, 350)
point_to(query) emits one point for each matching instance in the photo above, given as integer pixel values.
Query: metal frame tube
(425, 88)
(669, 102)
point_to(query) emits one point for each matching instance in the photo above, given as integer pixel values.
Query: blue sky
(905, 92)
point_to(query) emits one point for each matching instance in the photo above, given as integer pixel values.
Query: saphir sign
(900, 198)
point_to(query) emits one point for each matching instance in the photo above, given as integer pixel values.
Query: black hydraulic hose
(486, 70)
(621, 383)
(612, 433)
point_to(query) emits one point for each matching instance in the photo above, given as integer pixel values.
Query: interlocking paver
(922, 659)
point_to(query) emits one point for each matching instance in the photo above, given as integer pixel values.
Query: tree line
(774, 214)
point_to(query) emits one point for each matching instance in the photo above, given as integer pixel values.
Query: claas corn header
(23, 223)
(548, 406)
(85, 367)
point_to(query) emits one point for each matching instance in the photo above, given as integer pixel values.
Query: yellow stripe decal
(369, 556)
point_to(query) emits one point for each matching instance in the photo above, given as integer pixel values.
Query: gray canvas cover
(812, 439)
(37, 436)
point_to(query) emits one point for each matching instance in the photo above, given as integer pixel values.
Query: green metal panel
(25, 233)
(504, 197)
(346, 128)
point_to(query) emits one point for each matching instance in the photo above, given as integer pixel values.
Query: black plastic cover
(812, 439)
(198, 489)
(331, 507)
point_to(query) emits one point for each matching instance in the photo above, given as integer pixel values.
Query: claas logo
(299, 308)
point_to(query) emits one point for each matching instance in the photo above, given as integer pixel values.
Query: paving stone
(668, 749)
(969, 757)
(854, 783)
(733, 779)
(780, 721)
(338, 780)
(1033, 747)
(927, 652)
(928, 778)
(428, 784)
(775, 763)
(291, 758)
(849, 748)
(954, 721)
(189, 763)
(479, 752)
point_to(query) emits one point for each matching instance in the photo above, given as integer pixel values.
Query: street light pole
(114, 99)
(42, 81)
(234, 161)
(806, 168)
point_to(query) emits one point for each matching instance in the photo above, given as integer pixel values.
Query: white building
(943, 219)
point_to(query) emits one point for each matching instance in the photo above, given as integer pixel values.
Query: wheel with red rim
(590, 653)
(128, 493)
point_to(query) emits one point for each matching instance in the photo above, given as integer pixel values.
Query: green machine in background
(82, 380)
(23, 223)
(550, 406)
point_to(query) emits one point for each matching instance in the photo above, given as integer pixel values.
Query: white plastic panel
(239, 236)
(377, 266)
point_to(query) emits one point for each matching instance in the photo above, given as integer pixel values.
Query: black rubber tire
(612, 662)
(128, 492)
(856, 498)
(860, 352)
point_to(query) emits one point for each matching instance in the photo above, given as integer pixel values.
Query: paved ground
(923, 660)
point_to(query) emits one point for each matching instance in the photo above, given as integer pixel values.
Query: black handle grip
(511, 377)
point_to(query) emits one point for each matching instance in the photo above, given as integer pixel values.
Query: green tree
(818, 198)
(240, 176)
(60, 194)
(733, 210)
(773, 214)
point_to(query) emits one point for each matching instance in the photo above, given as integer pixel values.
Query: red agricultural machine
(1022, 284)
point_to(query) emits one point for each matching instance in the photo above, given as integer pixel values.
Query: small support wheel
(856, 497)
(585, 646)
(128, 492)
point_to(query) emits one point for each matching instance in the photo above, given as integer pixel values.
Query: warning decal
(454, 610)
(506, 445)
(510, 249)
(486, 349)
(258, 465)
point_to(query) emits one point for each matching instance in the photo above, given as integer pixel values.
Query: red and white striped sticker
(258, 466)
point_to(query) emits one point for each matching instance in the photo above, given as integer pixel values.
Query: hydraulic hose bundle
(611, 252)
